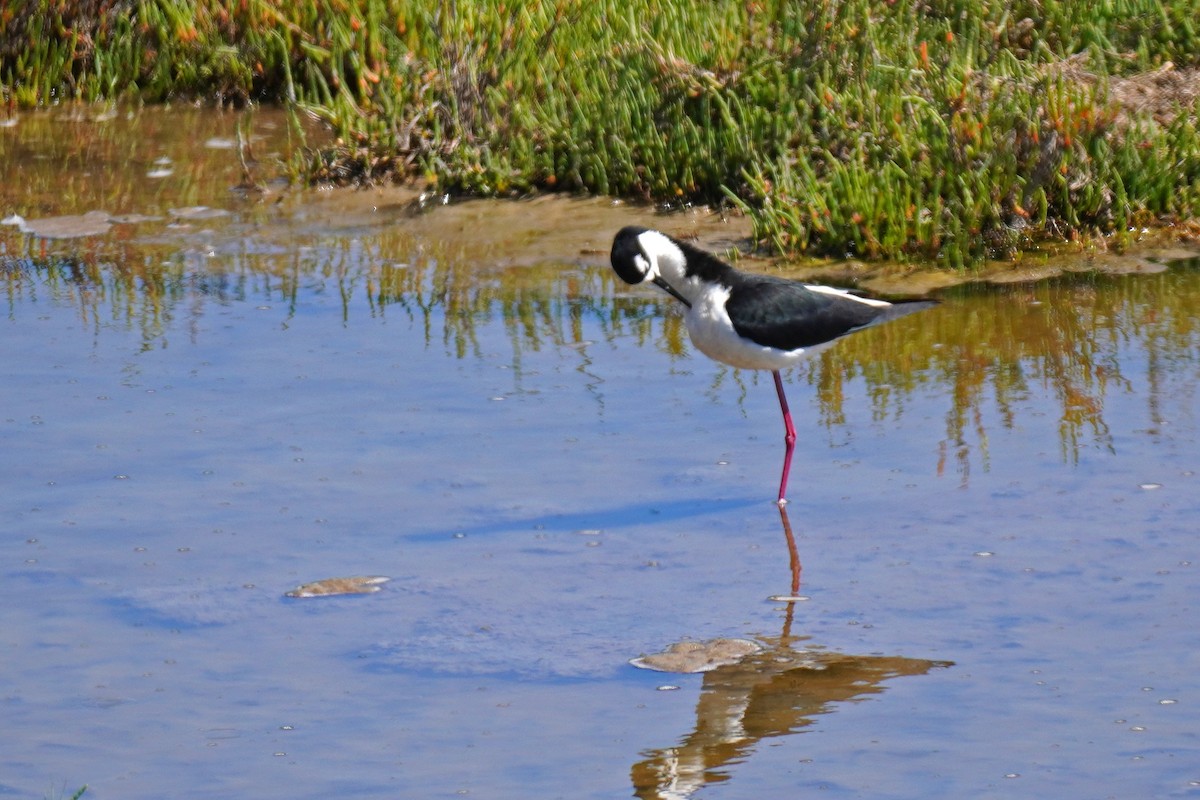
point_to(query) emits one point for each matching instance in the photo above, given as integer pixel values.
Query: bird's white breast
(713, 334)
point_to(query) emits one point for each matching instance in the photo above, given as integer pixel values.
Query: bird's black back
(769, 310)
(787, 315)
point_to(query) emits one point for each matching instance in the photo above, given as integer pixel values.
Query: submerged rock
(358, 584)
(198, 212)
(70, 226)
(689, 657)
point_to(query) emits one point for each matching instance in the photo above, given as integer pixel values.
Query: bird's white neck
(668, 261)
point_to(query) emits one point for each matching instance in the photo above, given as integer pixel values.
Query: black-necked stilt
(748, 321)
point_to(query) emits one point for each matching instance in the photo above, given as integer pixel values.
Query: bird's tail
(902, 308)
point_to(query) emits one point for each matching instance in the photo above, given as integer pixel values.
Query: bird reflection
(777, 690)
(794, 563)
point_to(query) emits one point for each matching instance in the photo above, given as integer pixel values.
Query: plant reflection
(996, 348)
(776, 691)
(1073, 338)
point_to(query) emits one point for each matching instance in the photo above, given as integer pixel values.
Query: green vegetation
(952, 129)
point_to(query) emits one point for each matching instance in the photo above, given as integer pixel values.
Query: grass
(951, 129)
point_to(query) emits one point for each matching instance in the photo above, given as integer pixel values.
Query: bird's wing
(787, 315)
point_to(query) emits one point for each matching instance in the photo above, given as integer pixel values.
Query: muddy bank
(546, 228)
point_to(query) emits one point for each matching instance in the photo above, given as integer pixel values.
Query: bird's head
(640, 254)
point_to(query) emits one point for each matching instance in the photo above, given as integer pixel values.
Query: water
(993, 505)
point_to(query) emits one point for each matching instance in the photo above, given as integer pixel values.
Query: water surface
(994, 508)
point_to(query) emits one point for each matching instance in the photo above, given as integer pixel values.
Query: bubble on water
(589, 532)
(160, 172)
(984, 553)
(1167, 702)
(460, 535)
(121, 477)
(1149, 486)
(1138, 728)
(788, 598)
(1012, 774)
(668, 688)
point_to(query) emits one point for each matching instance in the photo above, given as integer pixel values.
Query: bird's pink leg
(789, 437)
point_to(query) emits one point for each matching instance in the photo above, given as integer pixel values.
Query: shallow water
(994, 506)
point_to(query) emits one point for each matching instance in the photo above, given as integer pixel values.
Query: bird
(747, 320)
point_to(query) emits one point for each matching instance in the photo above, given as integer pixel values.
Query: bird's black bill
(669, 289)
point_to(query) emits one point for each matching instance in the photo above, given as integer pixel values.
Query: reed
(954, 130)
